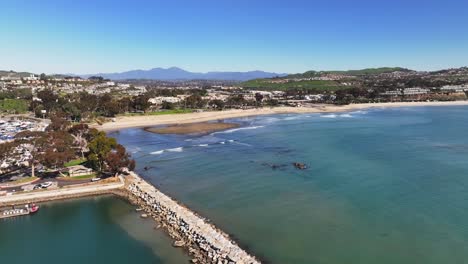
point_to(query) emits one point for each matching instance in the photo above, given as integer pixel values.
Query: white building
(160, 100)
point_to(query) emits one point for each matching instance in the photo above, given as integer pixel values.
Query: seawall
(205, 243)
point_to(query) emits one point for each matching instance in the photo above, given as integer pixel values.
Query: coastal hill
(175, 73)
(14, 74)
(385, 77)
(362, 72)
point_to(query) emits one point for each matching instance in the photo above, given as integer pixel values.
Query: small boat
(28, 209)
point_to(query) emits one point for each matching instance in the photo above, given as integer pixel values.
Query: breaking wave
(158, 152)
(329, 116)
(179, 149)
(236, 129)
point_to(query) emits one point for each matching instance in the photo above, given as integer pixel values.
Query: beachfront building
(415, 91)
(159, 100)
(78, 170)
(455, 88)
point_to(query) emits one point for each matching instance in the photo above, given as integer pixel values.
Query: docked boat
(27, 209)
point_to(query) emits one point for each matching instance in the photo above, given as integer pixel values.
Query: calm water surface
(384, 185)
(92, 230)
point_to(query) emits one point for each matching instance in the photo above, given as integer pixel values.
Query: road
(60, 183)
(61, 192)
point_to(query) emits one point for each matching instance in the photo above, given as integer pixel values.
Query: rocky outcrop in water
(300, 166)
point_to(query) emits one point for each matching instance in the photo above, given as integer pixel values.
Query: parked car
(95, 179)
(45, 185)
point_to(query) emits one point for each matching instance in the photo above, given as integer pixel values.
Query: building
(78, 170)
(160, 100)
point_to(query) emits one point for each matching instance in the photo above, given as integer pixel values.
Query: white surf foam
(237, 129)
(159, 152)
(179, 149)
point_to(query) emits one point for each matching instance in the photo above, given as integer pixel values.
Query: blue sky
(206, 35)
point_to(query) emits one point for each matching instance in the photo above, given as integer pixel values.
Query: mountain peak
(176, 73)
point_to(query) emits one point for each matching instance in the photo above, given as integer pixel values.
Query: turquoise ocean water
(90, 230)
(383, 185)
(387, 186)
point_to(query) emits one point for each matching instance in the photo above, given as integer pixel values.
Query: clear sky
(84, 36)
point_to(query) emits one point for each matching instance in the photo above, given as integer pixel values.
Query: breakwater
(205, 243)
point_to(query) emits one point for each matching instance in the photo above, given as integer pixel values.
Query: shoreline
(124, 122)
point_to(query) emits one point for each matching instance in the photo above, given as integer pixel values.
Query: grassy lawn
(75, 162)
(164, 112)
(14, 106)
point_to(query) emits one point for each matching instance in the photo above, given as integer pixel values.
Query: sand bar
(148, 121)
(192, 128)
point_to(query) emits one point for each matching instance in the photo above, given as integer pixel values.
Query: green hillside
(14, 74)
(266, 84)
(362, 72)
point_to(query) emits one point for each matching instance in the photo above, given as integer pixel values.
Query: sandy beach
(148, 121)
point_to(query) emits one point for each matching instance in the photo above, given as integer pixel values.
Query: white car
(95, 179)
(46, 185)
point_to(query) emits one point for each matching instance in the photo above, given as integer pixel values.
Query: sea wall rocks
(205, 242)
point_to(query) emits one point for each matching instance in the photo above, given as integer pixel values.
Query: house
(78, 170)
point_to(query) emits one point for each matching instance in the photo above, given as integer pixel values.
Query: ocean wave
(329, 116)
(360, 112)
(158, 152)
(179, 149)
(135, 150)
(346, 115)
(292, 118)
(202, 145)
(236, 129)
(222, 142)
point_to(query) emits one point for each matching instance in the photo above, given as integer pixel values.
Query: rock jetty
(204, 242)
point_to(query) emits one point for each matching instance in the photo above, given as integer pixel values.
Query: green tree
(49, 99)
(99, 147)
(218, 104)
(118, 159)
(168, 105)
(194, 101)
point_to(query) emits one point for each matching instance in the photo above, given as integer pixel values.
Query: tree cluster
(63, 142)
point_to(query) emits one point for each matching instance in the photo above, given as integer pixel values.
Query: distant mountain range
(175, 73)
